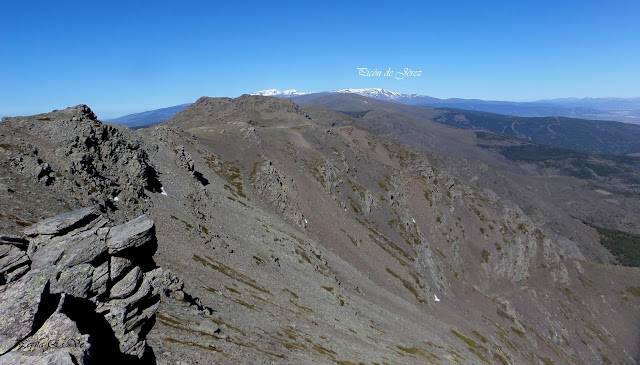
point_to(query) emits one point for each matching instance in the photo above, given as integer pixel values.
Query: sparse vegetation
(634, 290)
(485, 256)
(624, 246)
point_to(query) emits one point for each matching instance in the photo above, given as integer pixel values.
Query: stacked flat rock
(73, 290)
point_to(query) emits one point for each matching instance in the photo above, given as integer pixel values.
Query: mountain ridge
(625, 110)
(615, 109)
(303, 234)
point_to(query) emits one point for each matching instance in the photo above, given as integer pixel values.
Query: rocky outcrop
(76, 291)
(276, 188)
(110, 163)
(184, 159)
(13, 259)
(74, 154)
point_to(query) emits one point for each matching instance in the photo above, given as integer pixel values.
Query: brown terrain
(344, 231)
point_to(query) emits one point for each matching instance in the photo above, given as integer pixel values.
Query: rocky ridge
(317, 239)
(81, 162)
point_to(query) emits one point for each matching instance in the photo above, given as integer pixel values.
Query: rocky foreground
(76, 291)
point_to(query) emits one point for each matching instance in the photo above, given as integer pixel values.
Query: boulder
(117, 266)
(132, 234)
(127, 315)
(18, 241)
(19, 304)
(127, 285)
(61, 223)
(70, 256)
(58, 341)
(13, 263)
(100, 279)
(76, 249)
(75, 281)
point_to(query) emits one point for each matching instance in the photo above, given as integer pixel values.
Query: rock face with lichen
(75, 289)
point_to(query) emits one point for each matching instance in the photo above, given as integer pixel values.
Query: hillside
(347, 230)
(592, 136)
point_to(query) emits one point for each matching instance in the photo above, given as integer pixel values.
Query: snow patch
(276, 92)
(117, 198)
(163, 192)
(377, 93)
(436, 298)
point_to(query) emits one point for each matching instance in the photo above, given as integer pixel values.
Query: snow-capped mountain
(616, 109)
(377, 93)
(278, 93)
(388, 95)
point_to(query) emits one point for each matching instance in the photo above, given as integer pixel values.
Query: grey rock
(55, 225)
(100, 279)
(46, 254)
(117, 266)
(18, 241)
(58, 341)
(134, 233)
(71, 255)
(13, 263)
(69, 251)
(209, 327)
(5, 189)
(75, 281)
(172, 283)
(142, 315)
(60, 357)
(184, 159)
(85, 247)
(127, 285)
(126, 315)
(19, 302)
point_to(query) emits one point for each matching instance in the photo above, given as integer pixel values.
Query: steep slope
(391, 228)
(603, 189)
(310, 235)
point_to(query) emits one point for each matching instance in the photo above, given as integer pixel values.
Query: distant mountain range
(148, 118)
(583, 135)
(278, 93)
(626, 110)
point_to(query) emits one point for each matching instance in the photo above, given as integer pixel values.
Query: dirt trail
(549, 126)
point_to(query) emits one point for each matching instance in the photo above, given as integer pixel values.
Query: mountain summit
(378, 93)
(278, 93)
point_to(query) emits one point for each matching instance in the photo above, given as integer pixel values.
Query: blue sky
(123, 57)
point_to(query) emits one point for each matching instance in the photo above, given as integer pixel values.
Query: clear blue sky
(121, 57)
